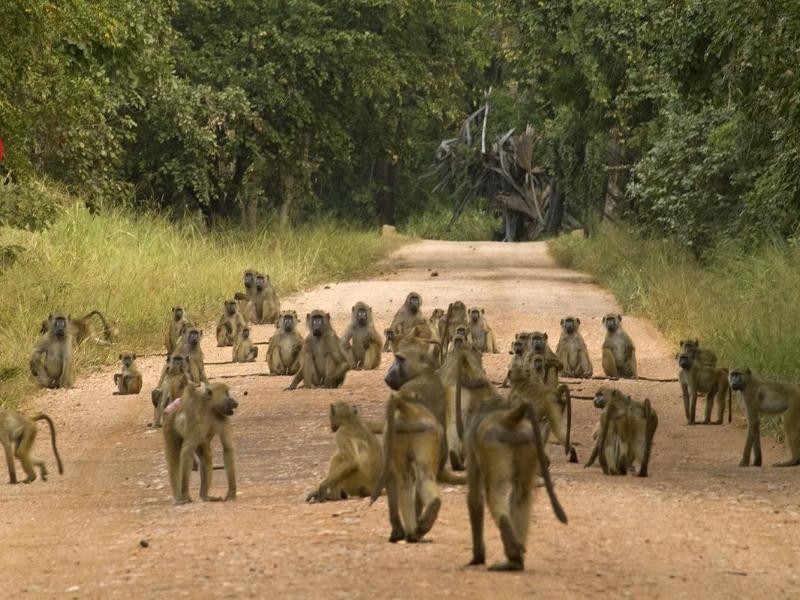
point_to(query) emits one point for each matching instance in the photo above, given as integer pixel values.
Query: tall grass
(474, 224)
(133, 268)
(743, 305)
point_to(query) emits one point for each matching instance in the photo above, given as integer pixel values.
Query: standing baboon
(324, 363)
(697, 378)
(356, 465)
(700, 355)
(264, 305)
(174, 377)
(201, 415)
(283, 353)
(51, 363)
(17, 434)
(176, 327)
(361, 341)
(480, 332)
(762, 396)
(129, 381)
(230, 323)
(619, 353)
(572, 351)
(244, 350)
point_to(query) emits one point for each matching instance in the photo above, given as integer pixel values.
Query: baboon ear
(562, 321)
(483, 311)
(749, 372)
(332, 411)
(355, 410)
(578, 321)
(696, 342)
(682, 342)
(619, 318)
(677, 355)
(120, 356)
(134, 356)
(603, 320)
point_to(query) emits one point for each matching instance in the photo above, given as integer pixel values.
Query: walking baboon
(176, 327)
(762, 396)
(619, 353)
(202, 414)
(480, 332)
(174, 377)
(407, 317)
(624, 435)
(264, 305)
(17, 434)
(323, 362)
(698, 354)
(129, 381)
(189, 348)
(572, 351)
(283, 353)
(697, 378)
(356, 465)
(229, 324)
(244, 350)
(361, 341)
(51, 362)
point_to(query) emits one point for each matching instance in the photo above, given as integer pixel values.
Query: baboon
(176, 327)
(697, 378)
(17, 434)
(698, 354)
(435, 324)
(174, 377)
(762, 396)
(189, 348)
(202, 414)
(356, 465)
(462, 334)
(244, 350)
(482, 335)
(264, 305)
(51, 362)
(624, 435)
(283, 353)
(619, 353)
(572, 351)
(518, 349)
(361, 341)
(455, 317)
(129, 381)
(81, 329)
(406, 318)
(243, 298)
(229, 324)
(504, 451)
(323, 362)
(553, 405)
(539, 346)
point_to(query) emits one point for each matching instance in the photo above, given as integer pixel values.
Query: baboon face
(260, 283)
(127, 359)
(245, 333)
(316, 323)
(518, 347)
(458, 341)
(684, 360)
(690, 347)
(600, 399)
(612, 322)
(739, 378)
(248, 279)
(389, 333)
(193, 337)
(175, 365)
(570, 325)
(177, 313)
(230, 307)
(362, 316)
(461, 331)
(538, 364)
(221, 401)
(341, 412)
(474, 315)
(539, 342)
(396, 377)
(59, 326)
(288, 322)
(413, 302)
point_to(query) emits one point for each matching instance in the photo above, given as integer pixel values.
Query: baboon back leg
(475, 504)
(185, 469)
(526, 466)
(791, 428)
(407, 499)
(398, 533)
(336, 476)
(12, 470)
(428, 494)
(206, 469)
(23, 452)
(709, 404)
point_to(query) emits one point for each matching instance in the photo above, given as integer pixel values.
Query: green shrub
(474, 224)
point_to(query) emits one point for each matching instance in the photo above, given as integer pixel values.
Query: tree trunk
(386, 173)
(287, 200)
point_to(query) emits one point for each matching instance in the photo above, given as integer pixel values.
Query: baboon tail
(44, 417)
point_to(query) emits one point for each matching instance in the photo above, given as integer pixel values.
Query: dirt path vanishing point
(699, 527)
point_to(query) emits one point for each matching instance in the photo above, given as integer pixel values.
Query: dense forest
(681, 117)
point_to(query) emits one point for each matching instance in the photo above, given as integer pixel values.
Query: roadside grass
(474, 224)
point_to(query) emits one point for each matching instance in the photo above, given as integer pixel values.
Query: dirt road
(699, 527)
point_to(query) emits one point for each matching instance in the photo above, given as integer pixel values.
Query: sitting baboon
(176, 327)
(480, 332)
(129, 381)
(201, 415)
(361, 341)
(264, 305)
(229, 324)
(619, 353)
(51, 362)
(518, 349)
(244, 350)
(323, 362)
(356, 465)
(572, 351)
(408, 316)
(283, 353)
(174, 377)
(17, 434)
(696, 378)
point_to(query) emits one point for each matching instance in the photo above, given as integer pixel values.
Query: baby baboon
(229, 324)
(17, 434)
(174, 377)
(408, 316)
(51, 362)
(264, 305)
(624, 435)
(480, 332)
(518, 349)
(539, 346)
(176, 327)
(365, 350)
(202, 414)
(129, 381)
(698, 354)
(244, 350)
(243, 298)
(697, 378)
(762, 396)
(455, 317)
(283, 353)
(324, 363)
(189, 348)
(356, 465)
(572, 351)
(619, 353)
(505, 452)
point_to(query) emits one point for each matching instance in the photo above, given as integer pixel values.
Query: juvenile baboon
(435, 324)
(407, 316)
(572, 351)
(202, 414)
(174, 377)
(189, 348)
(624, 435)
(51, 362)
(283, 353)
(81, 329)
(17, 434)
(229, 324)
(480, 332)
(323, 362)
(619, 353)
(762, 396)
(356, 465)
(361, 341)
(129, 381)
(176, 327)
(701, 355)
(264, 305)
(461, 334)
(696, 378)
(539, 347)
(455, 317)
(244, 350)
(504, 450)
(243, 298)
(518, 349)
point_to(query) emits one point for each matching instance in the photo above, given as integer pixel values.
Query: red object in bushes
(1, 149)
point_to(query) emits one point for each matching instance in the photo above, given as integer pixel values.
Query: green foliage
(475, 224)
(32, 206)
